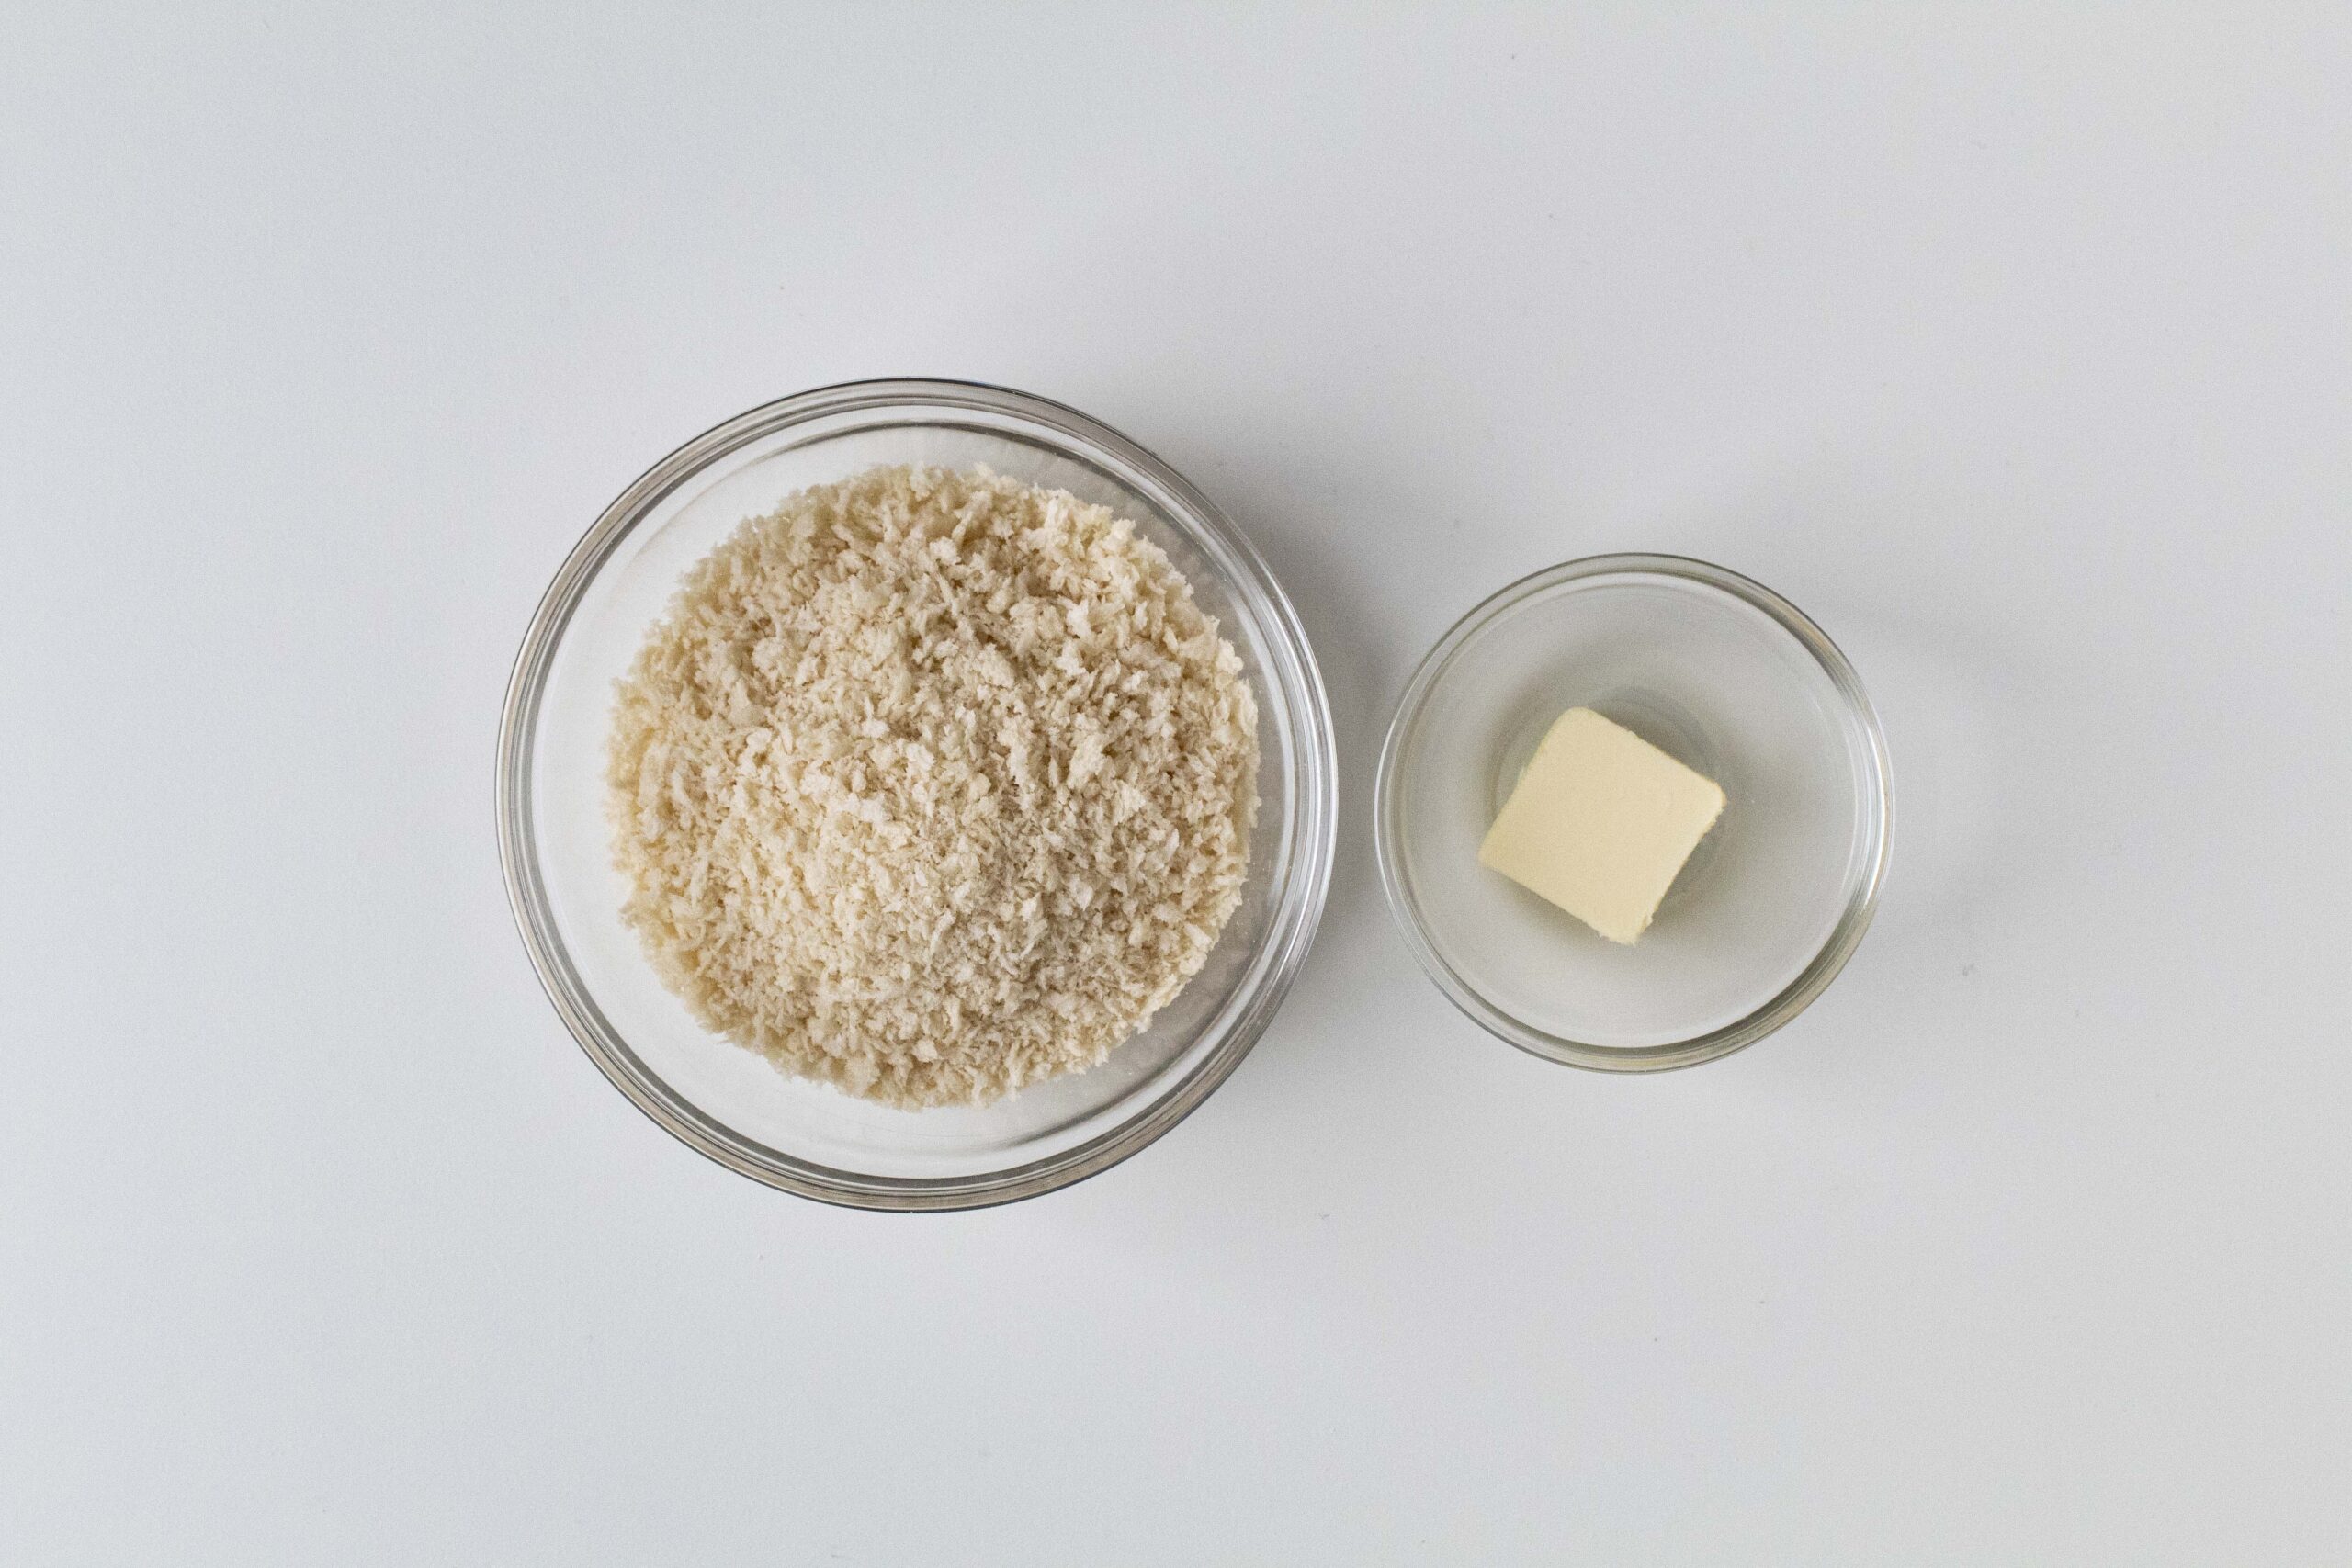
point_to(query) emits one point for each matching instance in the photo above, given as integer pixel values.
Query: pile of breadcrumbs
(932, 784)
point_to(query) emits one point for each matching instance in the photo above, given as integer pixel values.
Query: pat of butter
(1601, 823)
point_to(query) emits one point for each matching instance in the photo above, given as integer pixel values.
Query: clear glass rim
(1298, 905)
(1862, 892)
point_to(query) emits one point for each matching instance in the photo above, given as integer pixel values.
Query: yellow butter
(1601, 823)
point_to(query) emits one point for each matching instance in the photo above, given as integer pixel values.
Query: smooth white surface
(2015, 344)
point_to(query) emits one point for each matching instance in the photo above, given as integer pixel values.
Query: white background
(2013, 344)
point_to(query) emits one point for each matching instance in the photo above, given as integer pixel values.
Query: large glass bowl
(732, 1104)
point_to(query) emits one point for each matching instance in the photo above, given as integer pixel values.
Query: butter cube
(1601, 823)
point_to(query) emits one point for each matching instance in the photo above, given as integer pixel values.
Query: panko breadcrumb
(931, 784)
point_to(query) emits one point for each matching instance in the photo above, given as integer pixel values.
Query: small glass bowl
(732, 1104)
(1720, 672)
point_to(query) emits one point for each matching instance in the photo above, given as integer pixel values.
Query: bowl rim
(1281, 951)
(1862, 902)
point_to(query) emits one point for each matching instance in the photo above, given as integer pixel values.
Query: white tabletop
(2015, 345)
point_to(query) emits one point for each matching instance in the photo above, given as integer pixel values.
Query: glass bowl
(732, 1104)
(1718, 671)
